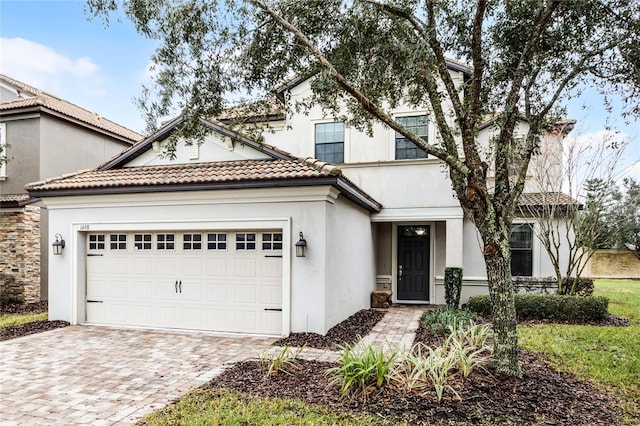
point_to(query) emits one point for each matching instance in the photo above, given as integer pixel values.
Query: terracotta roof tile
(37, 97)
(184, 174)
(532, 199)
(14, 197)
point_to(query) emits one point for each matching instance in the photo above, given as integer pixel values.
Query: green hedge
(551, 307)
(583, 287)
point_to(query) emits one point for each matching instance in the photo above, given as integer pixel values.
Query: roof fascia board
(343, 186)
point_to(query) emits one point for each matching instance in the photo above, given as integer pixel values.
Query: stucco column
(454, 244)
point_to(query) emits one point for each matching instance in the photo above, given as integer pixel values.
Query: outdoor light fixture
(301, 246)
(58, 245)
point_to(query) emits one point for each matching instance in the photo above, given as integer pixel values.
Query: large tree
(525, 58)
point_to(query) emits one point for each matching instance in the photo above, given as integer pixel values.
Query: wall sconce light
(58, 245)
(301, 246)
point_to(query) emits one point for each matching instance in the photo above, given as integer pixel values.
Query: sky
(54, 46)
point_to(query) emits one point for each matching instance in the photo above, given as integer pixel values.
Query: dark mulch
(610, 321)
(13, 308)
(30, 328)
(543, 396)
(347, 332)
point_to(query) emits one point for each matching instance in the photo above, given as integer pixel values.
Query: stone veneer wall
(20, 249)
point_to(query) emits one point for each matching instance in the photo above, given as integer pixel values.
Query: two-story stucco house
(213, 239)
(42, 136)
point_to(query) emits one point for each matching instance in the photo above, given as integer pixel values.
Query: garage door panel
(142, 290)
(215, 293)
(271, 267)
(223, 289)
(118, 266)
(216, 267)
(244, 267)
(143, 265)
(118, 289)
(164, 265)
(245, 294)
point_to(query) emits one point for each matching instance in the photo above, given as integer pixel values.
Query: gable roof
(281, 170)
(32, 99)
(539, 200)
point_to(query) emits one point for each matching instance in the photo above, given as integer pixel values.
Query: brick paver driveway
(103, 376)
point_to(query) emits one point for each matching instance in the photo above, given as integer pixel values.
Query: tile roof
(185, 174)
(533, 199)
(40, 98)
(16, 200)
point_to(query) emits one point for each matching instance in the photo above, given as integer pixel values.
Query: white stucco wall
(350, 273)
(291, 209)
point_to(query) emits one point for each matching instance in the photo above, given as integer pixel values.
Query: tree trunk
(505, 340)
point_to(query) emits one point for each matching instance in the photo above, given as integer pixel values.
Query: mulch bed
(610, 321)
(30, 327)
(347, 332)
(543, 396)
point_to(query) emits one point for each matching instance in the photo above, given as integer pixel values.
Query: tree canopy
(524, 58)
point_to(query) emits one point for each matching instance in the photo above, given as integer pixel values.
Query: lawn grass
(9, 320)
(228, 407)
(609, 357)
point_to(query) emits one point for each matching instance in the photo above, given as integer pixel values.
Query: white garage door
(199, 280)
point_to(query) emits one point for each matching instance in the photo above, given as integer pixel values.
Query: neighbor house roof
(16, 200)
(33, 99)
(537, 200)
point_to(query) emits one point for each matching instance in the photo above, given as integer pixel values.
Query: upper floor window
(521, 244)
(3, 150)
(329, 139)
(405, 149)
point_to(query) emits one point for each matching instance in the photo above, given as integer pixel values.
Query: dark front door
(413, 262)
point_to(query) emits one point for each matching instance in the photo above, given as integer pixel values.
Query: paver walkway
(104, 376)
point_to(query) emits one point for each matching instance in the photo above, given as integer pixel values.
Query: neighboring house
(42, 136)
(208, 241)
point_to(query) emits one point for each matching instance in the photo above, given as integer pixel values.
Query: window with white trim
(272, 241)
(165, 241)
(97, 241)
(329, 140)
(217, 241)
(118, 241)
(3, 150)
(142, 242)
(245, 241)
(192, 241)
(405, 149)
(521, 244)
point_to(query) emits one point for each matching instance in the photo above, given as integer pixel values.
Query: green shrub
(582, 287)
(551, 307)
(442, 320)
(452, 286)
(361, 367)
(284, 361)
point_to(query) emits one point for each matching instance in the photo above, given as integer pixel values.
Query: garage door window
(142, 241)
(216, 241)
(96, 242)
(118, 241)
(245, 241)
(166, 242)
(272, 241)
(192, 242)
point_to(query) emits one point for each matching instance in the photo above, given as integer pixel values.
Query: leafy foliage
(549, 307)
(452, 286)
(284, 361)
(361, 367)
(442, 321)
